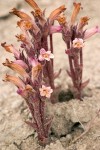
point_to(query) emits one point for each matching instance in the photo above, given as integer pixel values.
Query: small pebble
(68, 137)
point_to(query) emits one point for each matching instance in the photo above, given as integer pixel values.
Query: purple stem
(78, 76)
(38, 116)
(51, 47)
(37, 110)
(71, 66)
(81, 64)
(48, 67)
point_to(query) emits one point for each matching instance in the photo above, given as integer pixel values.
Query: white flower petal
(51, 55)
(48, 59)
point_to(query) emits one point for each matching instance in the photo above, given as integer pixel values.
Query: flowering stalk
(33, 63)
(74, 36)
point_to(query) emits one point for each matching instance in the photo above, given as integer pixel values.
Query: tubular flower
(45, 55)
(83, 22)
(78, 43)
(61, 20)
(26, 25)
(20, 14)
(28, 90)
(22, 38)
(77, 7)
(15, 80)
(11, 49)
(21, 63)
(33, 4)
(91, 32)
(56, 13)
(36, 71)
(38, 13)
(19, 69)
(45, 91)
(55, 29)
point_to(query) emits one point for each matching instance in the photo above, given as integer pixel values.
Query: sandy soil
(14, 133)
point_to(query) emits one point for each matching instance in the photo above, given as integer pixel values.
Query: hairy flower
(78, 43)
(45, 55)
(45, 91)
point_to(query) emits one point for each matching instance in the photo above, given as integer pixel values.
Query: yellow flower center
(45, 91)
(78, 44)
(45, 55)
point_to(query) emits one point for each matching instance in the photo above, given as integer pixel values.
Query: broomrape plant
(74, 35)
(34, 61)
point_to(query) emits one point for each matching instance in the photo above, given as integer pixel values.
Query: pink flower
(78, 43)
(45, 91)
(91, 32)
(45, 55)
(32, 61)
(55, 29)
(21, 63)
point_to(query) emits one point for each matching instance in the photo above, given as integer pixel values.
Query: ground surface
(14, 133)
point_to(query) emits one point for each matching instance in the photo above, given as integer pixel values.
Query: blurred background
(9, 100)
